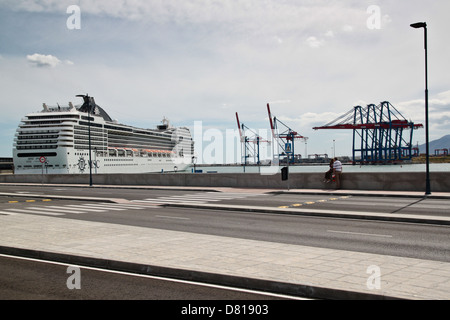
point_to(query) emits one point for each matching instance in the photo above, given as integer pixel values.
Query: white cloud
(41, 60)
(313, 42)
(266, 19)
(347, 28)
(46, 61)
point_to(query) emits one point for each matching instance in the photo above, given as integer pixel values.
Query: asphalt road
(389, 238)
(27, 279)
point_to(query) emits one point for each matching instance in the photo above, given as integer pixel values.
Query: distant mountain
(442, 143)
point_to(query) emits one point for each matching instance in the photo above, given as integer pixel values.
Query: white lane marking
(192, 199)
(187, 198)
(85, 208)
(37, 212)
(168, 201)
(171, 217)
(134, 206)
(60, 211)
(361, 234)
(105, 206)
(8, 213)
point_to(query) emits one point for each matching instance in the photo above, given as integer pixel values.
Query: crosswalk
(61, 210)
(98, 207)
(197, 198)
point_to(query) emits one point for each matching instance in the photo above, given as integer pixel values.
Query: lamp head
(418, 25)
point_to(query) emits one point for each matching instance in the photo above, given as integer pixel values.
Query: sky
(198, 62)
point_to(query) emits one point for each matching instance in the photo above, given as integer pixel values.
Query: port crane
(377, 133)
(284, 136)
(250, 144)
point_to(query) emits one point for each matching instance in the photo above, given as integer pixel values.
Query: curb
(366, 193)
(78, 198)
(99, 186)
(320, 213)
(299, 290)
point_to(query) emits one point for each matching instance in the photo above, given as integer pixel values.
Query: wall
(389, 181)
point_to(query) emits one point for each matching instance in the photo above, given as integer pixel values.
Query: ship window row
(154, 146)
(138, 134)
(129, 131)
(138, 138)
(81, 130)
(139, 147)
(86, 136)
(37, 155)
(66, 116)
(37, 147)
(42, 122)
(107, 126)
(93, 138)
(38, 142)
(36, 137)
(86, 145)
(39, 166)
(33, 126)
(141, 143)
(152, 133)
(37, 132)
(86, 129)
(149, 155)
(92, 124)
(112, 159)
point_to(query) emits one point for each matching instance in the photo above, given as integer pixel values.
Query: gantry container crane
(377, 133)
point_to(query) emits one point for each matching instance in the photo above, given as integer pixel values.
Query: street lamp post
(423, 25)
(90, 147)
(87, 102)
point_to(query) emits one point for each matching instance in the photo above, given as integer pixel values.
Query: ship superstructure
(62, 139)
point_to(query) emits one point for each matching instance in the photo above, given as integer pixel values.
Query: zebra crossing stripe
(65, 209)
(196, 198)
(7, 213)
(106, 206)
(134, 206)
(85, 208)
(162, 201)
(51, 210)
(186, 199)
(37, 212)
(190, 198)
(75, 209)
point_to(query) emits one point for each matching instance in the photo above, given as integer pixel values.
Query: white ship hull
(80, 164)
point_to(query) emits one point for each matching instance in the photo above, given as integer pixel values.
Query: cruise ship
(84, 139)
